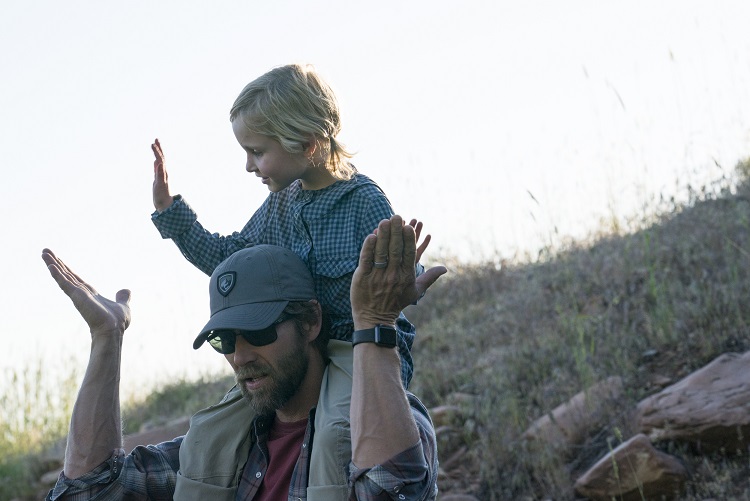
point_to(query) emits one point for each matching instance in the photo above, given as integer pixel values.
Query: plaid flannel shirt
(325, 228)
(149, 472)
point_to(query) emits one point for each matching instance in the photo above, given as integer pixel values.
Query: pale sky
(457, 109)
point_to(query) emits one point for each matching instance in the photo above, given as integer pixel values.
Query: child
(320, 207)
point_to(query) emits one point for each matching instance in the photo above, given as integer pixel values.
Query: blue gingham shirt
(325, 228)
(149, 472)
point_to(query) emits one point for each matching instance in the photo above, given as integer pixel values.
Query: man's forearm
(381, 421)
(95, 425)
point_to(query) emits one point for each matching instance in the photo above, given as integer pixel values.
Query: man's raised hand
(379, 293)
(101, 314)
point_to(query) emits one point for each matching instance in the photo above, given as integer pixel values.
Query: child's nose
(250, 165)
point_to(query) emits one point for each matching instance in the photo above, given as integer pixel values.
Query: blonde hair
(290, 104)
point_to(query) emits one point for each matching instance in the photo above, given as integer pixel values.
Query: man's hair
(306, 313)
(292, 104)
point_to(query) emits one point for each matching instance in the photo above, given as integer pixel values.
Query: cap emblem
(225, 282)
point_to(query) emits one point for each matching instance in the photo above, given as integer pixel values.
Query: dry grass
(664, 299)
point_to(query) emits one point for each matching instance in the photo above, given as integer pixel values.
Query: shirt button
(257, 474)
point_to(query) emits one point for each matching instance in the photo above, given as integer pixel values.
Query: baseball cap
(251, 288)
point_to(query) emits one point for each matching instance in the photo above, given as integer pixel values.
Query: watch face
(385, 336)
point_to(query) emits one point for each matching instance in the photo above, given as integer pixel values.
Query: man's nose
(244, 352)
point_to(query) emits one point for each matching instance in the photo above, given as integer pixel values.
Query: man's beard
(279, 385)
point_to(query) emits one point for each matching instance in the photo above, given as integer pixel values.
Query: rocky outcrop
(569, 423)
(708, 410)
(635, 470)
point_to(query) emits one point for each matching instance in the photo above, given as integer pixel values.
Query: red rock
(710, 408)
(633, 471)
(569, 423)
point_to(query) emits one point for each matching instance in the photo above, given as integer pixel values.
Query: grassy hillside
(654, 302)
(660, 301)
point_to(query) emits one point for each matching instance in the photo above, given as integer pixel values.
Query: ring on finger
(375, 264)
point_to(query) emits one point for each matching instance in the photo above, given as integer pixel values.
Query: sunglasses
(224, 340)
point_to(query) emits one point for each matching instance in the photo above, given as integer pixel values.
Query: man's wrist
(108, 335)
(370, 321)
(381, 335)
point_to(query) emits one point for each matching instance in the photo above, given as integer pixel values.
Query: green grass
(34, 412)
(662, 294)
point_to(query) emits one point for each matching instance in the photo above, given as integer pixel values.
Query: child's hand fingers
(423, 246)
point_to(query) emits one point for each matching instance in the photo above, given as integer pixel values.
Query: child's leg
(332, 444)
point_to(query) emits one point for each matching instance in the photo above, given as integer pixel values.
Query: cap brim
(249, 317)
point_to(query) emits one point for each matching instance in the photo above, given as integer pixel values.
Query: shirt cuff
(175, 219)
(402, 474)
(92, 481)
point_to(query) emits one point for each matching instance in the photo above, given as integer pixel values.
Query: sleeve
(411, 474)
(205, 250)
(378, 208)
(148, 472)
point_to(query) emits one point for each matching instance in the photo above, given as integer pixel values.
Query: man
(267, 323)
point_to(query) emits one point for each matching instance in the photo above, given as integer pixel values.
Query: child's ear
(310, 147)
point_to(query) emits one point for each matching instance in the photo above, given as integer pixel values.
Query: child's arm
(162, 198)
(177, 221)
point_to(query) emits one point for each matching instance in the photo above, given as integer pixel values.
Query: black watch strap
(381, 335)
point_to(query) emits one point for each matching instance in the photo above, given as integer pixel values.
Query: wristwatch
(381, 335)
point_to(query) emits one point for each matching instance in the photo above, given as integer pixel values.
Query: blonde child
(319, 206)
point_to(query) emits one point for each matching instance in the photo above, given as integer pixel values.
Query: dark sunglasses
(224, 340)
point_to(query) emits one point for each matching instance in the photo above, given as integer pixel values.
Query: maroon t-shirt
(284, 444)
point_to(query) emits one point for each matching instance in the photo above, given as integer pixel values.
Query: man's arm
(381, 418)
(95, 426)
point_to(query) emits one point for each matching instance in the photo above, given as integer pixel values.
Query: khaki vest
(215, 449)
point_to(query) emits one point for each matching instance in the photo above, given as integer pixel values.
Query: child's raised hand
(162, 198)
(417, 225)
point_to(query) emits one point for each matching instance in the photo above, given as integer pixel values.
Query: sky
(504, 126)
